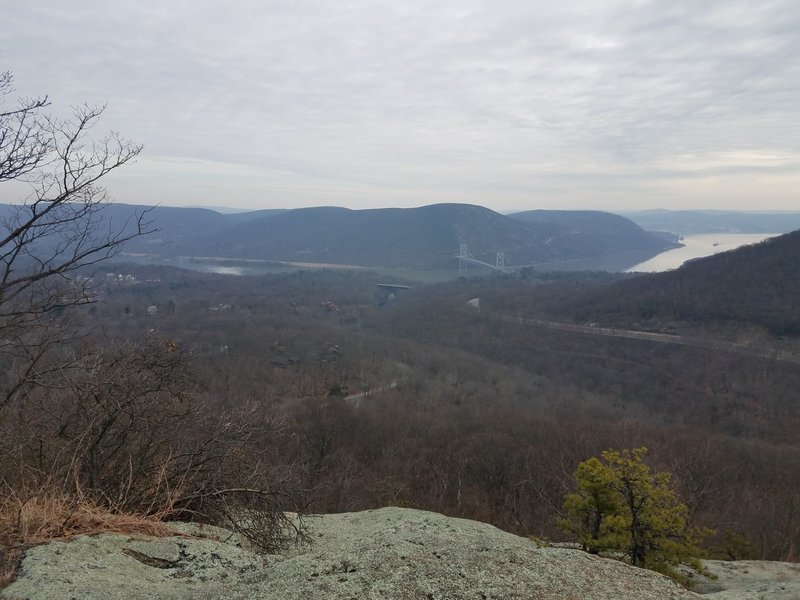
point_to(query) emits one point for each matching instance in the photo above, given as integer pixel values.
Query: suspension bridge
(465, 259)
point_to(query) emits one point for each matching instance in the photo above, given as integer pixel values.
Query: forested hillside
(429, 403)
(607, 230)
(753, 286)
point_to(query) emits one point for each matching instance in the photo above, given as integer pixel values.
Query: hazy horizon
(610, 105)
(236, 209)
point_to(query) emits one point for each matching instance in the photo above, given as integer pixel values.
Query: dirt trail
(355, 399)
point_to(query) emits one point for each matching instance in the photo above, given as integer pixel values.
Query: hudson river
(697, 246)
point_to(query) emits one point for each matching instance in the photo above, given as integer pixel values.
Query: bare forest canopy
(425, 238)
(425, 401)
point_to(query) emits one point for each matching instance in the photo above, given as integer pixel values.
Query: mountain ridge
(427, 237)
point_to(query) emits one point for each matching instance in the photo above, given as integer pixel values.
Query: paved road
(662, 338)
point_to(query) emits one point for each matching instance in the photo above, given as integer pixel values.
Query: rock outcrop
(749, 580)
(390, 553)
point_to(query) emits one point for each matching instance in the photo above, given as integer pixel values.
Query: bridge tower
(500, 263)
(463, 265)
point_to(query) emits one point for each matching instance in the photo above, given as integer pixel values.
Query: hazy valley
(350, 388)
(416, 398)
(400, 301)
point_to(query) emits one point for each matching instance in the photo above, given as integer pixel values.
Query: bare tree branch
(59, 228)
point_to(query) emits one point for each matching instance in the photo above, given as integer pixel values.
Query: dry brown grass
(51, 514)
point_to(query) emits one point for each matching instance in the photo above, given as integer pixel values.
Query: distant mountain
(687, 222)
(179, 231)
(428, 237)
(603, 230)
(176, 227)
(250, 215)
(421, 237)
(225, 210)
(756, 285)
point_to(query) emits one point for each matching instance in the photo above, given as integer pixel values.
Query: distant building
(389, 291)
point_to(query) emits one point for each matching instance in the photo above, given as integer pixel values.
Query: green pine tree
(623, 510)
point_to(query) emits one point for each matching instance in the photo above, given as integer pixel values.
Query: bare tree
(58, 228)
(124, 427)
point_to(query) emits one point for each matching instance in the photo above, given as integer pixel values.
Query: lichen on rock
(386, 554)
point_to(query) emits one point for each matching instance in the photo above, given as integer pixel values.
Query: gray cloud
(515, 104)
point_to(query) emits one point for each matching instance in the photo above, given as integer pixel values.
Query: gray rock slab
(401, 553)
(385, 554)
(750, 580)
(117, 567)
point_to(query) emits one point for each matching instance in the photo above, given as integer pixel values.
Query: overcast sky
(515, 104)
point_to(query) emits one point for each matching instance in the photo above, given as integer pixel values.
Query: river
(698, 246)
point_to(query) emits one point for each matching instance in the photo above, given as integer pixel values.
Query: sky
(510, 104)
